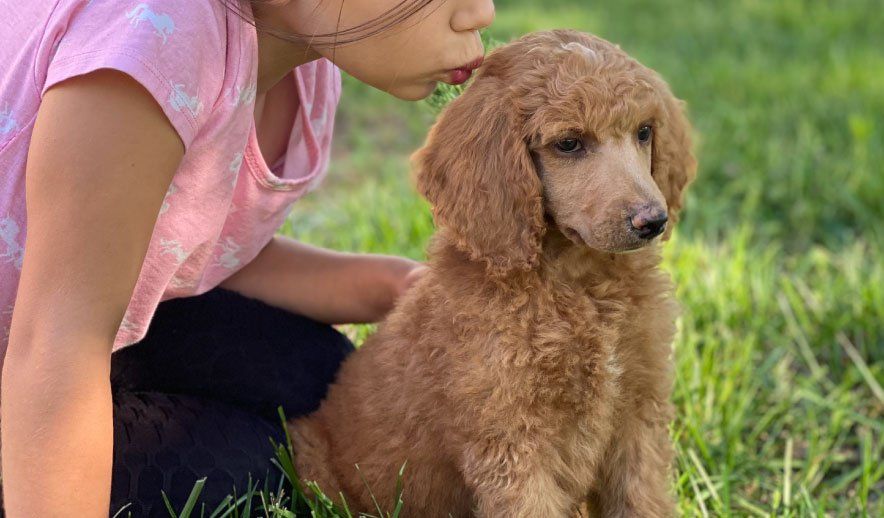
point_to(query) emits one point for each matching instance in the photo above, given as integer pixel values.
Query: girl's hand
(405, 273)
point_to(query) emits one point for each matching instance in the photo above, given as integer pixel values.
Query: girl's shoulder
(185, 53)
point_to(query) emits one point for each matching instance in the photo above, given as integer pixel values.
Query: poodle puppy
(528, 373)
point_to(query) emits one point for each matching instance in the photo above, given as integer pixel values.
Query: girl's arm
(332, 287)
(101, 158)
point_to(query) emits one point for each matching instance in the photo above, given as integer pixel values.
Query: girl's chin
(412, 92)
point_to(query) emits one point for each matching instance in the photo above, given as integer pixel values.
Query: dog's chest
(584, 349)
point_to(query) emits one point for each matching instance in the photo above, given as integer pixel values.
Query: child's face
(409, 58)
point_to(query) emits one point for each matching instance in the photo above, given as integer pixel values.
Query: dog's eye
(569, 145)
(644, 134)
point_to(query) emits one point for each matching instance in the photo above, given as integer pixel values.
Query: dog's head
(559, 128)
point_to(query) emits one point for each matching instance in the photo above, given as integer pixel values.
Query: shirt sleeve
(175, 49)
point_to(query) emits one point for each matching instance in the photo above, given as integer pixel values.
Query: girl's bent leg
(224, 346)
(166, 442)
(198, 397)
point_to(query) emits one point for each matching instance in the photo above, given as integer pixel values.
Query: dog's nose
(648, 222)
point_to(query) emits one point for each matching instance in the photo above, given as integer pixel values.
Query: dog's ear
(477, 172)
(672, 164)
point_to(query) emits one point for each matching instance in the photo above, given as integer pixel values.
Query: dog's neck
(579, 265)
(561, 261)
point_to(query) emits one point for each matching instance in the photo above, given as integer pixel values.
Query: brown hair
(400, 12)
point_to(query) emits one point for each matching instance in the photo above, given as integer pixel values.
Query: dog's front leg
(312, 454)
(512, 481)
(635, 471)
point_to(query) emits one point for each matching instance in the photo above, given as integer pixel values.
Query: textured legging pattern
(198, 397)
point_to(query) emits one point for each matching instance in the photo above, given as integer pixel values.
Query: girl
(149, 149)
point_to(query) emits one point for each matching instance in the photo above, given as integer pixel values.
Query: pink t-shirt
(199, 61)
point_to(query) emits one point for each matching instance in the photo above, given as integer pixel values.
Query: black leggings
(198, 397)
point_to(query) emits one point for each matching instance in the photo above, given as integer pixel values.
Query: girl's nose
(473, 15)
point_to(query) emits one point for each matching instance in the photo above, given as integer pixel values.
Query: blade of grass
(191, 500)
(787, 475)
(121, 510)
(861, 366)
(370, 492)
(705, 476)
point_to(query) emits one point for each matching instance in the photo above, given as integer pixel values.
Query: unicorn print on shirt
(180, 100)
(15, 253)
(163, 25)
(173, 247)
(178, 283)
(126, 325)
(7, 314)
(172, 190)
(234, 167)
(8, 124)
(54, 51)
(228, 257)
(236, 163)
(320, 120)
(243, 95)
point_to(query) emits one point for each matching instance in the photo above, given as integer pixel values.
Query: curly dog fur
(528, 372)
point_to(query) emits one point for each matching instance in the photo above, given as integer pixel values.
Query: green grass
(778, 260)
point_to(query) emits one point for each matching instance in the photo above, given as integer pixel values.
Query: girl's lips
(459, 76)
